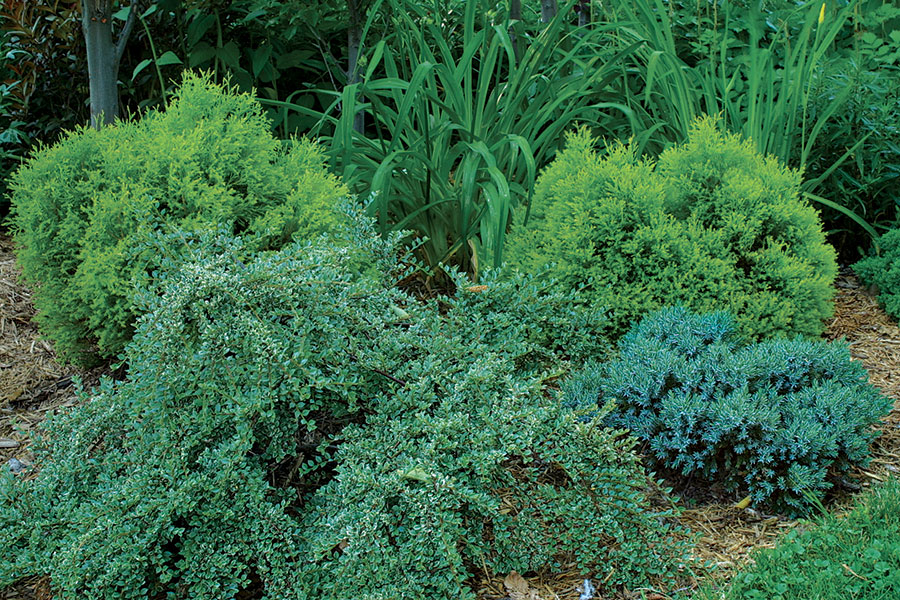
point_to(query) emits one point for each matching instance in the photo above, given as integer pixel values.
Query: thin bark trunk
(515, 14)
(548, 10)
(104, 56)
(102, 66)
(354, 35)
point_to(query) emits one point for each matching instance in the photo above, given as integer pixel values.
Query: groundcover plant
(290, 419)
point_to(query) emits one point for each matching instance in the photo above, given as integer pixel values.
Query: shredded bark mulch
(33, 384)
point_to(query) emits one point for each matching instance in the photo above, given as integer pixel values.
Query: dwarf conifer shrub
(84, 209)
(773, 419)
(290, 428)
(713, 224)
(883, 270)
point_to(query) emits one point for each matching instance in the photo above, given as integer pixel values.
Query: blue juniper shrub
(292, 426)
(773, 419)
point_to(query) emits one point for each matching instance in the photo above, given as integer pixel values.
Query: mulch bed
(33, 383)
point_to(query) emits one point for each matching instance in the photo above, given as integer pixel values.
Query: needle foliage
(86, 208)
(712, 225)
(776, 419)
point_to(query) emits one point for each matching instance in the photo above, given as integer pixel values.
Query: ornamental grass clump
(85, 209)
(777, 420)
(712, 225)
(292, 428)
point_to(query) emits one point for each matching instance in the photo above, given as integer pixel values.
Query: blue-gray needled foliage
(290, 428)
(85, 208)
(772, 419)
(712, 225)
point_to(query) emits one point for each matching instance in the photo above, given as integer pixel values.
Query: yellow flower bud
(822, 14)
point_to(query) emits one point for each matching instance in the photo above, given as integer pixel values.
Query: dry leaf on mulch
(518, 588)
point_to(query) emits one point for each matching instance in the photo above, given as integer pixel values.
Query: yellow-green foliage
(87, 209)
(712, 225)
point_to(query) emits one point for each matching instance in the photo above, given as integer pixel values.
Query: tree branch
(126, 30)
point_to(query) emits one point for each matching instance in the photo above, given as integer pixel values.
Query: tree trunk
(103, 56)
(515, 10)
(515, 14)
(548, 10)
(584, 10)
(354, 35)
(103, 70)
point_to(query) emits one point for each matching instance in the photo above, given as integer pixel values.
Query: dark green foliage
(460, 121)
(85, 209)
(527, 318)
(883, 270)
(43, 69)
(290, 429)
(868, 182)
(773, 419)
(712, 225)
(855, 556)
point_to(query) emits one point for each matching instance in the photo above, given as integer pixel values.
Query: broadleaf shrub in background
(712, 225)
(13, 138)
(773, 419)
(44, 53)
(883, 270)
(85, 209)
(291, 428)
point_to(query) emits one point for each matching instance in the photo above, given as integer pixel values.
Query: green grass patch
(852, 557)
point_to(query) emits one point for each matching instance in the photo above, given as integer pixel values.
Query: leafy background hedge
(85, 209)
(712, 225)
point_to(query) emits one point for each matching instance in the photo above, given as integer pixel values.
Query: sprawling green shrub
(712, 225)
(853, 556)
(292, 429)
(883, 270)
(772, 418)
(85, 208)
